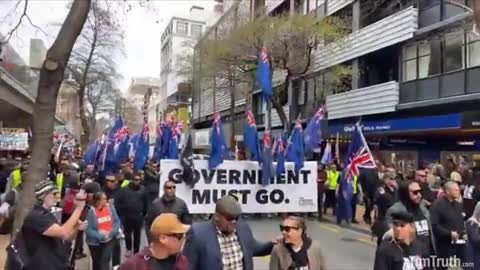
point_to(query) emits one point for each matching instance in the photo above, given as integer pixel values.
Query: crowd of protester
(432, 212)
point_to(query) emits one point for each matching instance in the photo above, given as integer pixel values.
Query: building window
(182, 28)
(473, 50)
(409, 63)
(454, 52)
(196, 30)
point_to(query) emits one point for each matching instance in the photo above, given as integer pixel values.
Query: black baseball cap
(402, 216)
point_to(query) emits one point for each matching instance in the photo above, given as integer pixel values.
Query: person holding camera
(46, 238)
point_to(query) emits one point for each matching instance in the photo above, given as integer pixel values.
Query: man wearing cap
(403, 251)
(44, 235)
(225, 242)
(167, 237)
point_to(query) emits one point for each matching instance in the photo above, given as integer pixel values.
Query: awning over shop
(410, 124)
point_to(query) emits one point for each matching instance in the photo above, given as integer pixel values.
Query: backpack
(18, 257)
(69, 200)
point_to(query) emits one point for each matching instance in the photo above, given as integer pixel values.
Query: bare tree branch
(19, 23)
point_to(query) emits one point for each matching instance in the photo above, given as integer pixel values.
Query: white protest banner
(286, 193)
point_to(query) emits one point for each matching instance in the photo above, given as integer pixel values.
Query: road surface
(343, 249)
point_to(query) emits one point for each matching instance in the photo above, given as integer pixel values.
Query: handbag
(18, 257)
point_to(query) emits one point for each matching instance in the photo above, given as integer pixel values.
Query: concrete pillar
(355, 27)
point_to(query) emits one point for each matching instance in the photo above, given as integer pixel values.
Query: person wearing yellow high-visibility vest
(333, 176)
(357, 191)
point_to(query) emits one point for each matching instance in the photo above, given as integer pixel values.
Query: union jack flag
(177, 129)
(121, 134)
(250, 119)
(264, 55)
(216, 122)
(358, 156)
(145, 131)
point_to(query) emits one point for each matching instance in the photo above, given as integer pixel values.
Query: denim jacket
(93, 236)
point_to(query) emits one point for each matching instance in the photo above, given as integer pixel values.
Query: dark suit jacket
(203, 251)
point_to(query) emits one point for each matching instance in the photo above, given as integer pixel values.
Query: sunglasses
(416, 192)
(170, 187)
(179, 236)
(287, 229)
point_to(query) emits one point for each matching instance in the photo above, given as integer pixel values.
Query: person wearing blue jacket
(225, 242)
(103, 227)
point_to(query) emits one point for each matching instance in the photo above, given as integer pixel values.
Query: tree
(92, 66)
(290, 41)
(100, 98)
(51, 77)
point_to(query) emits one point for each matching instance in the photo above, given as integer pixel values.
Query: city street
(343, 249)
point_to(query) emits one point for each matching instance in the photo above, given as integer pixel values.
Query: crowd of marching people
(114, 207)
(421, 219)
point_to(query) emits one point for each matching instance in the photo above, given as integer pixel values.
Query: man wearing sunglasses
(225, 242)
(410, 201)
(168, 203)
(167, 238)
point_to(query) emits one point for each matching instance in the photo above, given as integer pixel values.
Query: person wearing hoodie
(131, 205)
(410, 201)
(472, 251)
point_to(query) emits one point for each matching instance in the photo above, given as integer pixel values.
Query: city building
(133, 109)
(413, 83)
(68, 109)
(177, 42)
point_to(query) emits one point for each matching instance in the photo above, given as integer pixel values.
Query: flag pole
(357, 125)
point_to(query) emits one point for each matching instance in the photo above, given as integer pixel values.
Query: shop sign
(447, 121)
(471, 120)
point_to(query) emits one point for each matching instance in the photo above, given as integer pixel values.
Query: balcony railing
(444, 88)
(380, 98)
(392, 30)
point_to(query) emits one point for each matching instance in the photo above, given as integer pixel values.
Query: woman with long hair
(473, 243)
(103, 227)
(297, 251)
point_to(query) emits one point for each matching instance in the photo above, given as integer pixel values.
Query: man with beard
(168, 203)
(410, 201)
(426, 192)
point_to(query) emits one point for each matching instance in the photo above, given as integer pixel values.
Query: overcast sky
(143, 27)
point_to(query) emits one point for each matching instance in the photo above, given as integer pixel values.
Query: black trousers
(354, 207)
(78, 248)
(320, 203)
(116, 252)
(101, 255)
(133, 229)
(330, 200)
(369, 204)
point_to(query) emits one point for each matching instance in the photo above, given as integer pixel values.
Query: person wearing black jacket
(385, 197)
(403, 251)
(448, 225)
(168, 203)
(151, 182)
(427, 194)
(369, 181)
(131, 205)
